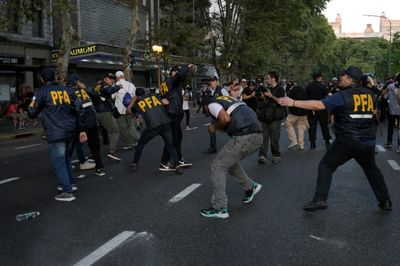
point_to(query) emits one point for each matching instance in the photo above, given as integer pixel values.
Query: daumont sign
(84, 50)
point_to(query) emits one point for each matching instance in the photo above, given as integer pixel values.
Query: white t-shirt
(126, 87)
(214, 109)
(185, 105)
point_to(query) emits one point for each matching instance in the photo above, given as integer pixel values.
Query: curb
(21, 135)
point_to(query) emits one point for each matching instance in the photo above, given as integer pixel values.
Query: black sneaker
(64, 196)
(213, 213)
(134, 167)
(112, 156)
(327, 144)
(249, 194)
(315, 205)
(184, 163)
(166, 167)
(385, 205)
(100, 172)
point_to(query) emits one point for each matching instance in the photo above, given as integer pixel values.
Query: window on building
(13, 16)
(37, 19)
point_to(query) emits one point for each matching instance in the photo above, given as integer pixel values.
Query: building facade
(384, 29)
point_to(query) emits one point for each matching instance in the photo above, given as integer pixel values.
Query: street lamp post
(390, 42)
(158, 50)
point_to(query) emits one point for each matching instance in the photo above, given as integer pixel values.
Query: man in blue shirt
(353, 108)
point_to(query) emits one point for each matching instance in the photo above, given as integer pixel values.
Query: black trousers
(313, 118)
(165, 132)
(187, 115)
(176, 138)
(94, 145)
(391, 123)
(341, 152)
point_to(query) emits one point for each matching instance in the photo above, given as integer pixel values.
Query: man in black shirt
(151, 107)
(318, 91)
(249, 95)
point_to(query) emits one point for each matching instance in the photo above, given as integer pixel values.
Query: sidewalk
(8, 133)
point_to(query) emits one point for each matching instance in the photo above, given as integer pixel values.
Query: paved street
(137, 220)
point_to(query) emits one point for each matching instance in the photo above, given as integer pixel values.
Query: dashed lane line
(27, 146)
(394, 165)
(380, 148)
(8, 180)
(184, 193)
(106, 248)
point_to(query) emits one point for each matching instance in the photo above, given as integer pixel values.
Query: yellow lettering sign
(78, 51)
(54, 97)
(363, 102)
(148, 102)
(163, 88)
(224, 98)
(155, 101)
(85, 96)
(142, 106)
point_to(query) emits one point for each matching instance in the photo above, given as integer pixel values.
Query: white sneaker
(293, 146)
(87, 165)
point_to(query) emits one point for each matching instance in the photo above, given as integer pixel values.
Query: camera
(260, 90)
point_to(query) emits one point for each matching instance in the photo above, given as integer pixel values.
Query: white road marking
(80, 176)
(8, 180)
(27, 146)
(380, 148)
(207, 124)
(315, 237)
(184, 193)
(106, 248)
(394, 165)
(337, 243)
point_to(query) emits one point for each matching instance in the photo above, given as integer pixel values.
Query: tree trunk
(126, 52)
(64, 11)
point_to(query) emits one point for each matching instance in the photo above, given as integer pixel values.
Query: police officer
(240, 122)
(171, 90)
(157, 124)
(91, 124)
(59, 107)
(318, 91)
(105, 109)
(215, 91)
(355, 128)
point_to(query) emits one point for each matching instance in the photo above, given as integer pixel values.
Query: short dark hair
(274, 74)
(48, 74)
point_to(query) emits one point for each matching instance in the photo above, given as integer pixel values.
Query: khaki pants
(129, 133)
(301, 121)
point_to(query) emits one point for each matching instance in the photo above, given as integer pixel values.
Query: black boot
(312, 146)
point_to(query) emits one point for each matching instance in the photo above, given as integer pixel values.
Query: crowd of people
(251, 111)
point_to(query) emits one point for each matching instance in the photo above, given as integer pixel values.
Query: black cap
(109, 75)
(213, 78)
(140, 92)
(73, 78)
(354, 72)
(48, 74)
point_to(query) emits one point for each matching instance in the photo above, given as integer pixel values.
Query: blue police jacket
(60, 111)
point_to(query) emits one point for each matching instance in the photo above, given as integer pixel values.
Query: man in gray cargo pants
(241, 123)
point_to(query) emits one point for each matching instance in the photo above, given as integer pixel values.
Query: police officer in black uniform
(353, 108)
(215, 91)
(240, 122)
(171, 90)
(91, 124)
(151, 108)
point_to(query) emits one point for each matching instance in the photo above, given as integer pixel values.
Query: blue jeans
(59, 153)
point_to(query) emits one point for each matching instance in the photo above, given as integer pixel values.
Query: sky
(352, 12)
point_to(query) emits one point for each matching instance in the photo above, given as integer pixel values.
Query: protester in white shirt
(186, 95)
(123, 97)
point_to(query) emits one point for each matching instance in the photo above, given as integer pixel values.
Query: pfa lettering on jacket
(148, 103)
(363, 103)
(60, 97)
